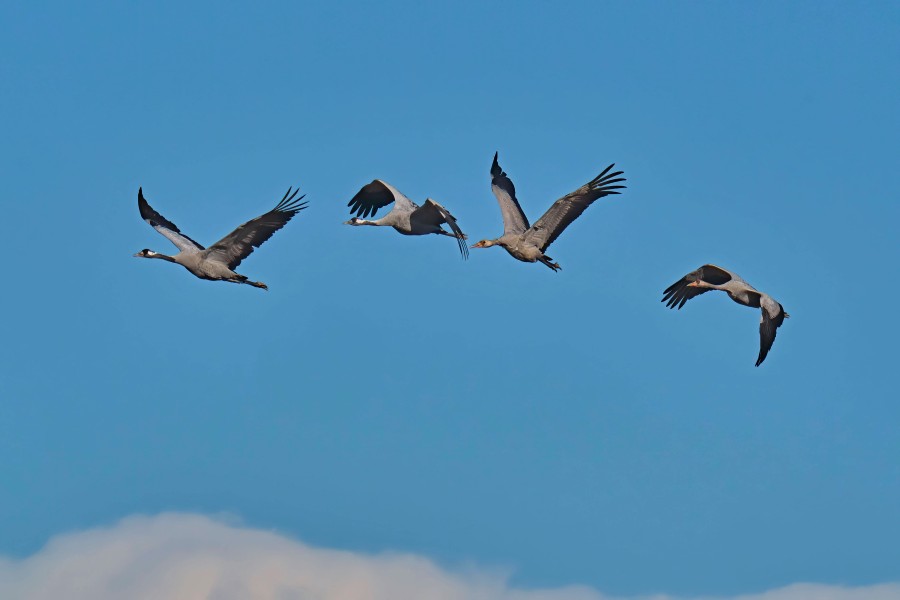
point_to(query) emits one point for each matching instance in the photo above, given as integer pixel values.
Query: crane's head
(483, 244)
(353, 221)
(145, 253)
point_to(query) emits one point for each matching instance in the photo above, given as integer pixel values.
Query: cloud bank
(194, 557)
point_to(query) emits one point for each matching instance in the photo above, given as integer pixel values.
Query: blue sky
(384, 394)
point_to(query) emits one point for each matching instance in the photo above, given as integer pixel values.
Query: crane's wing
(772, 317)
(569, 207)
(435, 214)
(237, 245)
(514, 220)
(376, 195)
(678, 293)
(165, 226)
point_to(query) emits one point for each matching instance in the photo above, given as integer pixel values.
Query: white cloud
(193, 557)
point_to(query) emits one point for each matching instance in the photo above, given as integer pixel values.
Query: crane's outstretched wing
(514, 219)
(237, 245)
(435, 214)
(165, 226)
(569, 207)
(376, 195)
(678, 293)
(772, 317)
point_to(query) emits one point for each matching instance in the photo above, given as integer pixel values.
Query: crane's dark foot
(548, 261)
(258, 284)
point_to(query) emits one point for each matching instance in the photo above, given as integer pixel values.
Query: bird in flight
(406, 216)
(711, 277)
(529, 242)
(217, 263)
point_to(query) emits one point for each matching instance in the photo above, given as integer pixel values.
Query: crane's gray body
(405, 220)
(740, 291)
(520, 248)
(199, 264)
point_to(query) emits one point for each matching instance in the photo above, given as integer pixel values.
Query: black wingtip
(143, 205)
(290, 202)
(495, 167)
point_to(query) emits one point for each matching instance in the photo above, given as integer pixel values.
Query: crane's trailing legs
(547, 261)
(256, 284)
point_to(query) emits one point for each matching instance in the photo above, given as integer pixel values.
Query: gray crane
(529, 242)
(711, 277)
(406, 216)
(217, 263)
